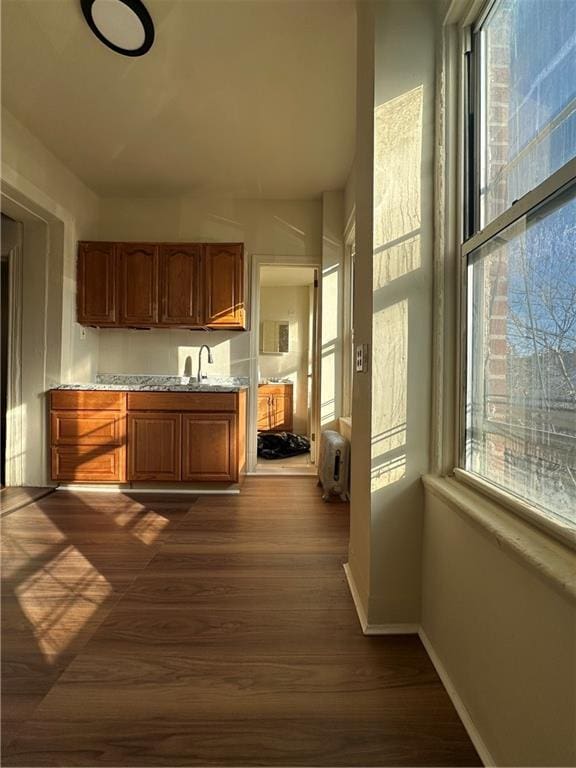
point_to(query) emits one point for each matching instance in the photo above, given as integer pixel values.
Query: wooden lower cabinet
(209, 447)
(154, 451)
(88, 442)
(88, 428)
(275, 408)
(104, 436)
(88, 463)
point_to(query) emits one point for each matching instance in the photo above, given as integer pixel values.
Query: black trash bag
(281, 445)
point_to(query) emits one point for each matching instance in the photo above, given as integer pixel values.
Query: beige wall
(291, 303)
(394, 249)
(35, 178)
(272, 228)
(403, 236)
(359, 553)
(505, 635)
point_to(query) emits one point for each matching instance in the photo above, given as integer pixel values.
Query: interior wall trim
(375, 629)
(253, 263)
(417, 629)
(459, 706)
(15, 428)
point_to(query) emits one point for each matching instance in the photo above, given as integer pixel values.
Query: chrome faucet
(210, 360)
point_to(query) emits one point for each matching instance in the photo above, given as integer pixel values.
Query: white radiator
(334, 464)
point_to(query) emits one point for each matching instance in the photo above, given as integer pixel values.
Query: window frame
(462, 108)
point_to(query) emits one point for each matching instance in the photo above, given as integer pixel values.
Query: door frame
(14, 425)
(257, 262)
(40, 321)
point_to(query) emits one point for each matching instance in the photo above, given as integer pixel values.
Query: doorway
(38, 297)
(287, 369)
(4, 301)
(10, 232)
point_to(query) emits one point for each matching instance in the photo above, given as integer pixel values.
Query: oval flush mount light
(125, 26)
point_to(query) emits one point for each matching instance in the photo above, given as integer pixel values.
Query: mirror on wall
(275, 337)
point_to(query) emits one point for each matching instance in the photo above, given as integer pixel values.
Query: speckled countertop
(160, 383)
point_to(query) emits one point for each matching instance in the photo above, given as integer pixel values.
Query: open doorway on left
(11, 239)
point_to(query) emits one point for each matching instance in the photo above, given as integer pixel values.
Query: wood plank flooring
(218, 633)
(14, 498)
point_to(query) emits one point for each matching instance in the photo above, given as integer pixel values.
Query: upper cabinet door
(180, 295)
(138, 283)
(96, 286)
(224, 286)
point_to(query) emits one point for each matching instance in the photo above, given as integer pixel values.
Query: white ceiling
(285, 276)
(249, 98)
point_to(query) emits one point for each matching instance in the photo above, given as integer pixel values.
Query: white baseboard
(411, 629)
(356, 597)
(392, 629)
(459, 706)
(375, 629)
(128, 489)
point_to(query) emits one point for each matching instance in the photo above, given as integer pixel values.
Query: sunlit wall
(399, 271)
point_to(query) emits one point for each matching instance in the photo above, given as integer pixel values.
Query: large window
(519, 253)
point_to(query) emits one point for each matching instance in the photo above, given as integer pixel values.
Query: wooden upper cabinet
(97, 287)
(224, 286)
(180, 295)
(141, 285)
(138, 264)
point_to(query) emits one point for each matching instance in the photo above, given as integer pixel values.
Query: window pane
(528, 98)
(521, 388)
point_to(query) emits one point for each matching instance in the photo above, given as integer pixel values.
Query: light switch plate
(361, 358)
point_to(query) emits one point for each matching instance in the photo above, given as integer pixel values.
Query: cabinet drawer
(91, 463)
(87, 400)
(274, 389)
(185, 401)
(88, 427)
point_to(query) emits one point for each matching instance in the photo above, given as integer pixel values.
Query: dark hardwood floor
(161, 632)
(12, 499)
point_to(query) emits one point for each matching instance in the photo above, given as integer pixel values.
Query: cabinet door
(264, 411)
(277, 412)
(96, 289)
(138, 283)
(180, 294)
(154, 446)
(209, 447)
(284, 410)
(224, 286)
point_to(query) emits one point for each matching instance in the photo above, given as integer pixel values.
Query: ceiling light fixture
(125, 26)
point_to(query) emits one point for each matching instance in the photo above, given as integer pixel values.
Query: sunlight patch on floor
(60, 598)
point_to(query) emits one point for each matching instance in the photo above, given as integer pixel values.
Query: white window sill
(554, 561)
